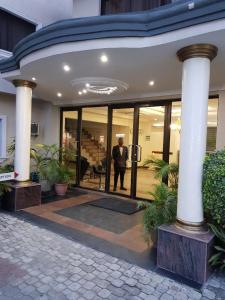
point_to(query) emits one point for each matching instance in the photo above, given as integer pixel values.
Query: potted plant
(162, 208)
(61, 176)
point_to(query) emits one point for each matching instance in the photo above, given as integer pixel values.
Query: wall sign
(8, 176)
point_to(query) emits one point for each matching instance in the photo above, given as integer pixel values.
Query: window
(12, 30)
(2, 137)
(121, 6)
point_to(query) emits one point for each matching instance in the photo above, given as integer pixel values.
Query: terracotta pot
(61, 188)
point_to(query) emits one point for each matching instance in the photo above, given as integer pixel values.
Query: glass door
(121, 151)
(150, 146)
(70, 140)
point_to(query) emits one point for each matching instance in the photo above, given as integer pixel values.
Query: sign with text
(8, 176)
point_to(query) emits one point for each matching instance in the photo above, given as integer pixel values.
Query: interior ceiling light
(33, 78)
(87, 85)
(84, 91)
(59, 95)
(66, 68)
(151, 83)
(104, 58)
(80, 93)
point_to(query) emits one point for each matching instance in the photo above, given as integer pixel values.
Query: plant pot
(61, 188)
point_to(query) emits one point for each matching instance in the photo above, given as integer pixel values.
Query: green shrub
(217, 260)
(213, 188)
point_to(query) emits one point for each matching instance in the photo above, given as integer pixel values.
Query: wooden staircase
(91, 148)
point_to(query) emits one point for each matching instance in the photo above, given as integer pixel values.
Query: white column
(195, 90)
(23, 128)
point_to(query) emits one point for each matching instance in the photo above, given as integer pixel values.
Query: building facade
(100, 70)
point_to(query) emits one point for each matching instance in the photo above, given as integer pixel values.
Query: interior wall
(43, 113)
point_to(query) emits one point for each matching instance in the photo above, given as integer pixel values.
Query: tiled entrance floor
(114, 233)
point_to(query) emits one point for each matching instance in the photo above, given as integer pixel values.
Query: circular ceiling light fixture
(99, 85)
(33, 78)
(59, 95)
(66, 68)
(151, 83)
(104, 58)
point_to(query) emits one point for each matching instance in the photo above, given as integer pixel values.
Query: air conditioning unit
(34, 129)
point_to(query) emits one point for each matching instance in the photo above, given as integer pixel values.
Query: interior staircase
(91, 148)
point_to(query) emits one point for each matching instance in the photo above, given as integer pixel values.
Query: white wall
(86, 8)
(40, 11)
(43, 113)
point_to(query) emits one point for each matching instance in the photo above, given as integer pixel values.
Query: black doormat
(127, 207)
(51, 196)
(102, 218)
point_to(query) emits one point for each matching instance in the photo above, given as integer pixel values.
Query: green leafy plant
(213, 188)
(164, 171)
(217, 260)
(160, 211)
(52, 163)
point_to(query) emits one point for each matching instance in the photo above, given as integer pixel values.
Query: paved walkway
(38, 264)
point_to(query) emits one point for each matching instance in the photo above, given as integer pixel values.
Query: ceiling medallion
(99, 85)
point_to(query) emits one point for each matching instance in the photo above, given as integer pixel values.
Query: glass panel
(176, 126)
(93, 147)
(122, 131)
(150, 140)
(69, 139)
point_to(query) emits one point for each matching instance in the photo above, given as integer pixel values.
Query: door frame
(136, 105)
(166, 139)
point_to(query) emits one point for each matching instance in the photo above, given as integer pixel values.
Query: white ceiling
(134, 66)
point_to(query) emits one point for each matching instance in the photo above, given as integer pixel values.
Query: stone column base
(184, 253)
(22, 195)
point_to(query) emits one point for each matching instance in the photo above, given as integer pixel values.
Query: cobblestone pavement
(38, 264)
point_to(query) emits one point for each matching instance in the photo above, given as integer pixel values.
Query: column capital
(25, 83)
(197, 50)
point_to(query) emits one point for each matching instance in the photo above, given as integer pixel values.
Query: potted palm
(63, 176)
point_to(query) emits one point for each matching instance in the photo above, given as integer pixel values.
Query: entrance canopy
(119, 57)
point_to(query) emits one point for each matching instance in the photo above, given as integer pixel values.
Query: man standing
(120, 156)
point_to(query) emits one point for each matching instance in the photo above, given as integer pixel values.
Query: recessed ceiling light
(104, 58)
(80, 93)
(151, 82)
(155, 119)
(66, 68)
(84, 91)
(33, 78)
(59, 94)
(87, 85)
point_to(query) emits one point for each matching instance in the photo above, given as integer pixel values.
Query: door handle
(138, 153)
(130, 152)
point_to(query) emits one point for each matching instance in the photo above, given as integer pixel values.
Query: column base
(184, 253)
(22, 195)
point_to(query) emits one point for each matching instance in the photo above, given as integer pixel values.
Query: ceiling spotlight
(59, 95)
(33, 78)
(84, 91)
(66, 68)
(104, 58)
(87, 85)
(80, 93)
(151, 82)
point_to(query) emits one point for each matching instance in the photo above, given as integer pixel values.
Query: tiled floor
(130, 242)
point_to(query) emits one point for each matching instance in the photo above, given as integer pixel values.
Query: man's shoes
(114, 189)
(123, 189)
